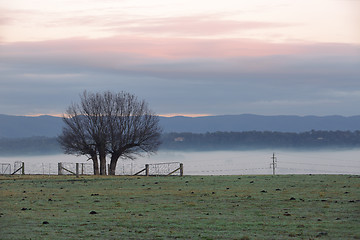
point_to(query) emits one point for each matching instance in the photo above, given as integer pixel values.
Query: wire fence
(163, 168)
(128, 168)
(5, 168)
(286, 163)
(282, 167)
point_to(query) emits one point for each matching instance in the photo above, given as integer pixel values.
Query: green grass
(190, 207)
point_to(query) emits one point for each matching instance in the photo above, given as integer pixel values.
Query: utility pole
(273, 164)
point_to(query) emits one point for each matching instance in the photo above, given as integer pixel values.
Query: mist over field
(217, 162)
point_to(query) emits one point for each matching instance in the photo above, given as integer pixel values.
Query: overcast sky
(185, 57)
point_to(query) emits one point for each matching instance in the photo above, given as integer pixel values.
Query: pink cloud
(183, 48)
(141, 48)
(196, 25)
(190, 25)
(187, 58)
(4, 20)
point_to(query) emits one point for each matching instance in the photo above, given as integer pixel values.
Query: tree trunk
(102, 156)
(95, 164)
(113, 162)
(102, 165)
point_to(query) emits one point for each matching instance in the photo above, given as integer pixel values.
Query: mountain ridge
(252, 122)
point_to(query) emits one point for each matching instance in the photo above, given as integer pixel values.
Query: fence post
(59, 168)
(77, 169)
(146, 169)
(23, 168)
(181, 169)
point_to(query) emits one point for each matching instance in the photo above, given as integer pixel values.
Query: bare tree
(112, 124)
(79, 134)
(74, 142)
(134, 129)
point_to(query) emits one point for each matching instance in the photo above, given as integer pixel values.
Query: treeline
(207, 141)
(258, 140)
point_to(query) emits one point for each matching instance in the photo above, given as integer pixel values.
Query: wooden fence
(180, 169)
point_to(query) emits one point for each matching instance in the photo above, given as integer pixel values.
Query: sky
(193, 58)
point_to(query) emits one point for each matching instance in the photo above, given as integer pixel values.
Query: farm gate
(162, 169)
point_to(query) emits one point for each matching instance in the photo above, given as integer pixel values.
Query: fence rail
(129, 168)
(162, 169)
(5, 168)
(19, 166)
(65, 168)
(73, 168)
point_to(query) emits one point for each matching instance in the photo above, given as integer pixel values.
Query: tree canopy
(118, 125)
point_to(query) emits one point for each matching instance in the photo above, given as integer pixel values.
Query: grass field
(189, 207)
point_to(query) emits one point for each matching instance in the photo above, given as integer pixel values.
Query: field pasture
(188, 207)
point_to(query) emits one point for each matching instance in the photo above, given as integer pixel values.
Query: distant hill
(21, 126)
(49, 126)
(250, 122)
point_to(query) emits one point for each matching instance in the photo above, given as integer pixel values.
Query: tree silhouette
(114, 124)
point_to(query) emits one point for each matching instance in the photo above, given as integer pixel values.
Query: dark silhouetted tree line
(256, 140)
(208, 141)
